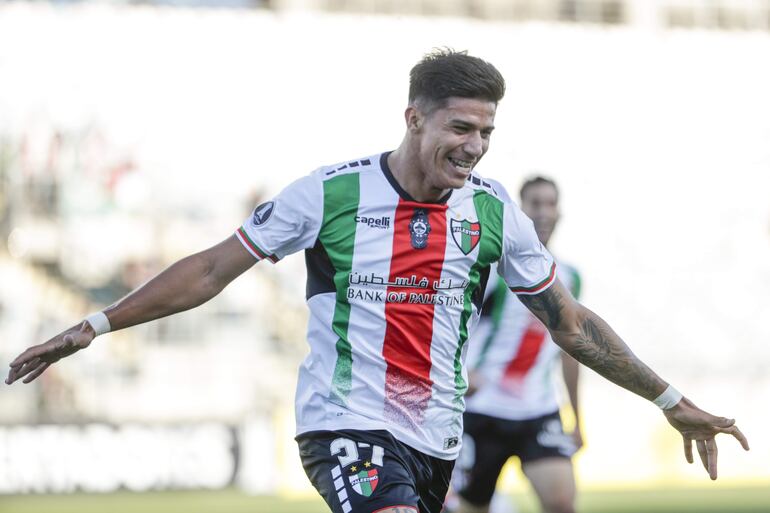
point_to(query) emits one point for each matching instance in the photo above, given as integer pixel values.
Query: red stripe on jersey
(409, 324)
(538, 286)
(525, 358)
(241, 233)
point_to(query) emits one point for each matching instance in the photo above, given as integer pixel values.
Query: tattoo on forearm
(547, 306)
(598, 347)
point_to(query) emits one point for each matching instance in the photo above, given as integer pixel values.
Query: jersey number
(346, 451)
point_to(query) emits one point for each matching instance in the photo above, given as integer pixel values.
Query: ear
(414, 118)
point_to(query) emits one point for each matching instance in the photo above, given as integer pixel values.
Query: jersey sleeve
(288, 223)
(526, 265)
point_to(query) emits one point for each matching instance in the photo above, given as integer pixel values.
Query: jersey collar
(401, 192)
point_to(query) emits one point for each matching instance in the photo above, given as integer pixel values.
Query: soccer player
(398, 248)
(514, 409)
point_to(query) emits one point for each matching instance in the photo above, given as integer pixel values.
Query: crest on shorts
(419, 228)
(466, 234)
(365, 482)
(263, 213)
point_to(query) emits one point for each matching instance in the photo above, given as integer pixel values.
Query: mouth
(464, 166)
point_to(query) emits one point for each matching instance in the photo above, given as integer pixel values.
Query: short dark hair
(445, 73)
(536, 180)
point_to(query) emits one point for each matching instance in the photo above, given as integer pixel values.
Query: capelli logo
(374, 222)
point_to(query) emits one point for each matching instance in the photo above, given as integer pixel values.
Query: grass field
(733, 500)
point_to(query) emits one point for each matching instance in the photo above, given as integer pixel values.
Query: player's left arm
(591, 341)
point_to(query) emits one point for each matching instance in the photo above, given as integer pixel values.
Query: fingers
(40, 369)
(701, 445)
(733, 430)
(723, 422)
(26, 356)
(23, 370)
(687, 449)
(711, 452)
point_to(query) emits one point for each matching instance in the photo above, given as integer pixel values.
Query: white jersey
(514, 356)
(394, 286)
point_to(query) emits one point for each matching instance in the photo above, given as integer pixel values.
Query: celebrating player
(398, 248)
(514, 410)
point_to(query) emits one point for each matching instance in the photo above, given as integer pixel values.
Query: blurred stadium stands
(132, 134)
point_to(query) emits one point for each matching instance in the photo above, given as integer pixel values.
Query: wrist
(668, 399)
(99, 323)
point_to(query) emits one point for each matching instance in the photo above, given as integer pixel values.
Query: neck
(405, 166)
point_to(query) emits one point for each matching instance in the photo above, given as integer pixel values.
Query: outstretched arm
(591, 341)
(188, 283)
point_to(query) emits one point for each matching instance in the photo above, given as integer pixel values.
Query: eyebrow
(468, 124)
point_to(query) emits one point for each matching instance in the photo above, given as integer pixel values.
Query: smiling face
(451, 139)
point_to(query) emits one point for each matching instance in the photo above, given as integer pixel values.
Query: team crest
(465, 234)
(419, 228)
(263, 213)
(365, 482)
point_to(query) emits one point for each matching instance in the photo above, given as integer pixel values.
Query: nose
(474, 144)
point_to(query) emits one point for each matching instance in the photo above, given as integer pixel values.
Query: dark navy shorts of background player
(495, 440)
(407, 477)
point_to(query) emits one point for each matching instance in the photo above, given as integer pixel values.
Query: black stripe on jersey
(320, 271)
(355, 163)
(478, 295)
(478, 181)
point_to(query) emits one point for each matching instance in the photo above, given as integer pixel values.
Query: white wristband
(99, 322)
(668, 399)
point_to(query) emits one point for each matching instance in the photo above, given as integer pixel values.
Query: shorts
(367, 471)
(489, 442)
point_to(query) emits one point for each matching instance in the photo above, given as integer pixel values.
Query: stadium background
(132, 134)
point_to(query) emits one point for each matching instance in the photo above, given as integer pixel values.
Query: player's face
(453, 139)
(541, 204)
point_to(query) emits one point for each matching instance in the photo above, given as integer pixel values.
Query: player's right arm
(188, 283)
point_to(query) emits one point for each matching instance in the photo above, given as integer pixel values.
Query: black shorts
(366, 471)
(489, 442)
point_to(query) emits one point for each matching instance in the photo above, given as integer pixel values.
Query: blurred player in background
(398, 247)
(512, 408)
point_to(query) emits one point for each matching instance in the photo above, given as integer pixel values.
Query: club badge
(465, 234)
(263, 213)
(419, 228)
(364, 482)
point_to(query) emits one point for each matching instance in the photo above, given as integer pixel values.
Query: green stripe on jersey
(337, 235)
(576, 284)
(489, 211)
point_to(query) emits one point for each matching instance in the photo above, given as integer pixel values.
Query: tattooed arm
(587, 338)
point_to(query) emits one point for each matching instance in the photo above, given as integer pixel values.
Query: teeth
(461, 163)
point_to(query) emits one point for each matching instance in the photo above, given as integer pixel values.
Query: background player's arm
(591, 341)
(188, 283)
(571, 372)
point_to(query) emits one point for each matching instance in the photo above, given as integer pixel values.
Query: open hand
(35, 360)
(702, 427)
